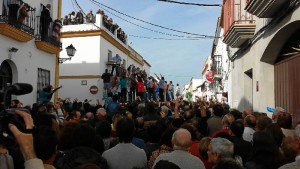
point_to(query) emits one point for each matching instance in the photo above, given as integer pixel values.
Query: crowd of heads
(74, 18)
(216, 138)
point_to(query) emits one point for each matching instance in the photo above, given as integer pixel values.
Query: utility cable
(187, 38)
(187, 3)
(145, 37)
(208, 36)
(73, 5)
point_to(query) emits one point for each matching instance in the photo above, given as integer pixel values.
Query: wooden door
(287, 86)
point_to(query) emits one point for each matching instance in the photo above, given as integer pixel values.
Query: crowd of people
(78, 18)
(149, 134)
(132, 81)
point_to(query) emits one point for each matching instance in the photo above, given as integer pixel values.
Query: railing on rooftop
(113, 28)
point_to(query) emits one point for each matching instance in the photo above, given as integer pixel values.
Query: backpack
(6, 161)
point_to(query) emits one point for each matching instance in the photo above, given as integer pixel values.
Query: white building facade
(95, 46)
(220, 66)
(264, 51)
(25, 56)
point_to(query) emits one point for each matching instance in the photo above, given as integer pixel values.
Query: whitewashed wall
(90, 60)
(26, 61)
(263, 73)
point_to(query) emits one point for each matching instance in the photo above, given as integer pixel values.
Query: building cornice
(80, 77)
(134, 58)
(114, 42)
(75, 34)
(146, 63)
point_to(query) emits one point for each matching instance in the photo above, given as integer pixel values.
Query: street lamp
(70, 52)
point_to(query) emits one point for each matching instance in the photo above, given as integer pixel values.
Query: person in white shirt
(117, 60)
(249, 122)
(177, 90)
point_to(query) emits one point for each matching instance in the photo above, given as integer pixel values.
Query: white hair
(165, 109)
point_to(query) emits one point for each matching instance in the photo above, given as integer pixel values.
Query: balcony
(217, 72)
(265, 8)
(239, 25)
(45, 41)
(48, 45)
(238, 34)
(14, 25)
(218, 75)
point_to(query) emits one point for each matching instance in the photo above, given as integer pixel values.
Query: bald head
(181, 139)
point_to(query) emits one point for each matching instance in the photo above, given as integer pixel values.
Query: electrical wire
(73, 5)
(183, 76)
(206, 36)
(145, 37)
(187, 38)
(187, 3)
(145, 27)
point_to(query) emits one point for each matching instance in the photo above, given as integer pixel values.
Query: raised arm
(25, 141)
(176, 112)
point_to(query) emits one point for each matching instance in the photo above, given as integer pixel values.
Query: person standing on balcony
(56, 30)
(117, 60)
(45, 21)
(22, 13)
(13, 7)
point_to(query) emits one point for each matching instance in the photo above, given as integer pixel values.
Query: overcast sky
(176, 60)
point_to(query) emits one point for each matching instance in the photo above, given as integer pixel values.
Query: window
(43, 79)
